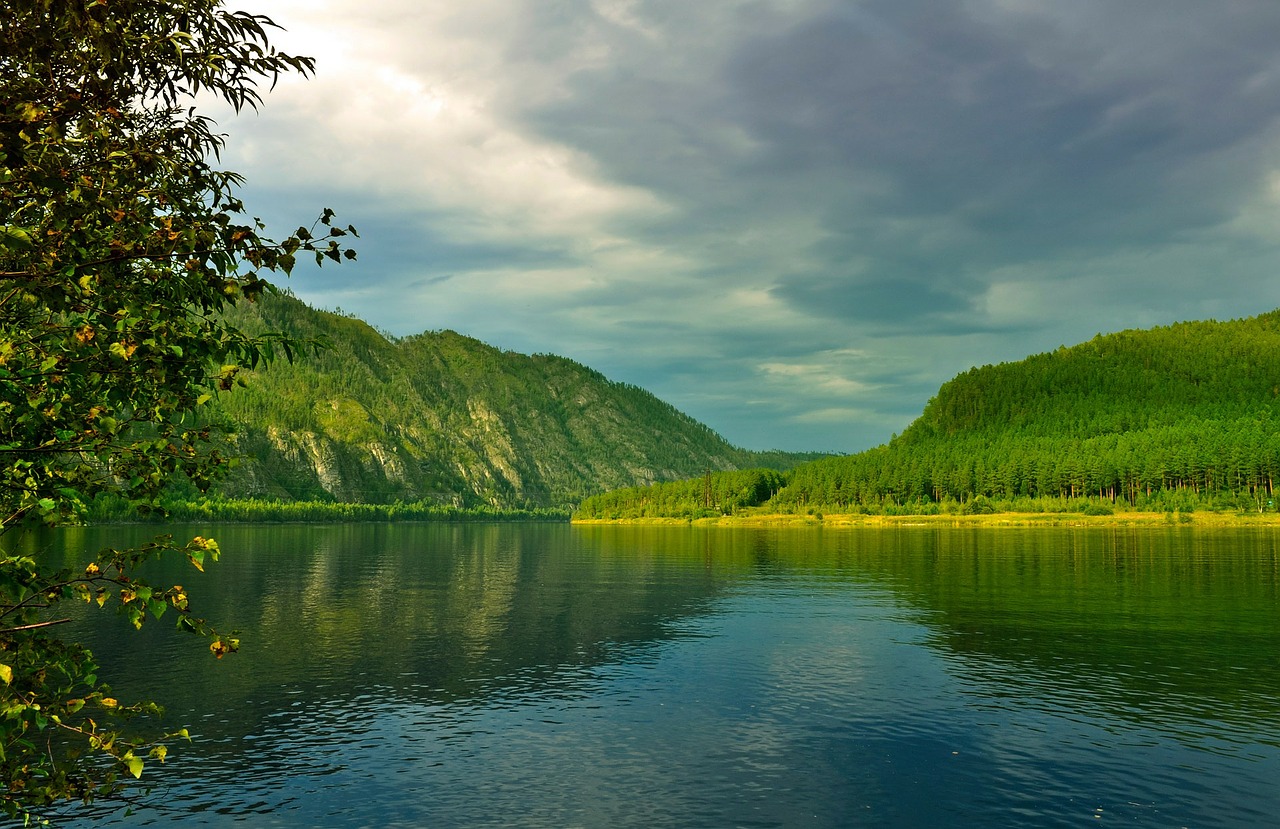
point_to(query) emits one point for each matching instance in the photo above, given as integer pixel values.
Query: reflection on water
(417, 675)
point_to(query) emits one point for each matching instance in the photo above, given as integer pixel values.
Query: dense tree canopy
(120, 244)
(1169, 419)
(714, 493)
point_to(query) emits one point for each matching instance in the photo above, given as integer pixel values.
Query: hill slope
(1157, 417)
(1167, 418)
(445, 418)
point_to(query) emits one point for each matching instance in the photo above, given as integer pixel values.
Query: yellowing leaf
(6, 674)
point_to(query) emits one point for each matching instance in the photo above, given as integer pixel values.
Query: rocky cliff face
(445, 418)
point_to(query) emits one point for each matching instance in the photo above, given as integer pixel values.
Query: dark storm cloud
(963, 118)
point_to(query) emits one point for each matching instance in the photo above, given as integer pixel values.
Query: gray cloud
(904, 301)
(962, 116)
(791, 218)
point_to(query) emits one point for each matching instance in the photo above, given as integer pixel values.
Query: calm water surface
(557, 676)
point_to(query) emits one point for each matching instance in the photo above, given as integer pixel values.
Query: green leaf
(15, 238)
(135, 765)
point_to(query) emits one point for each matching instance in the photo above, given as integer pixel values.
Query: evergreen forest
(1174, 418)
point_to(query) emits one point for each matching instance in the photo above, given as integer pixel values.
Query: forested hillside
(443, 418)
(1171, 418)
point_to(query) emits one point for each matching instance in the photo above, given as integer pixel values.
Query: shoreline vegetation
(256, 511)
(985, 520)
(264, 511)
(810, 496)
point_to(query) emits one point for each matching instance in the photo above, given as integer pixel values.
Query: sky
(791, 219)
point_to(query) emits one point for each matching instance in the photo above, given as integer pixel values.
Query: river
(539, 675)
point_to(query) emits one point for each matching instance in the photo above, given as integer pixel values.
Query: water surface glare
(557, 676)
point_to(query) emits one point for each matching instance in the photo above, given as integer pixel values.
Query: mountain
(443, 418)
(1173, 417)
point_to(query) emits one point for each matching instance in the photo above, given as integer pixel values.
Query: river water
(542, 675)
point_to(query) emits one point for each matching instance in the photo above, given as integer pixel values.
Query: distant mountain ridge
(444, 418)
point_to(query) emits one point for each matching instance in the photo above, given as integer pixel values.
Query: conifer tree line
(715, 493)
(1171, 418)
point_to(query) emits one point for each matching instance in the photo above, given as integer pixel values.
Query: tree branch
(34, 626)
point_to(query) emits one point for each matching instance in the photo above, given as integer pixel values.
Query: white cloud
(834, 414)
(825, 373)
(414, 113)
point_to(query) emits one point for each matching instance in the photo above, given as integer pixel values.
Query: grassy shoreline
(1001, 519)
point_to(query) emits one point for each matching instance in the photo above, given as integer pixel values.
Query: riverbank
(1000, 519)
(263, 511)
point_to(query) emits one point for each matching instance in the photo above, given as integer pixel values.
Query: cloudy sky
(792, 219)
